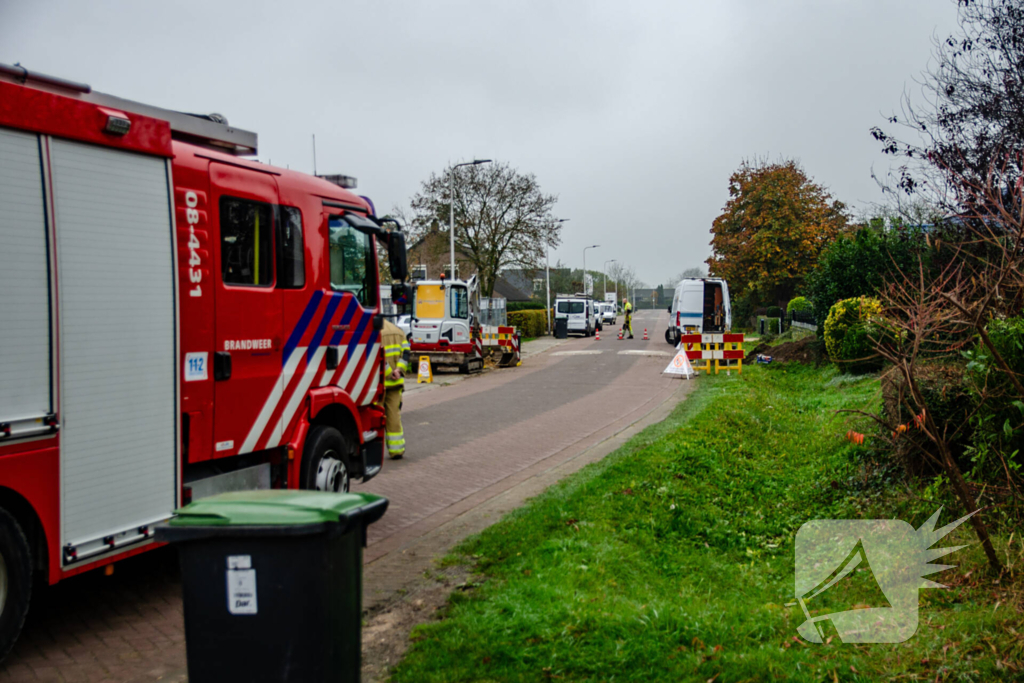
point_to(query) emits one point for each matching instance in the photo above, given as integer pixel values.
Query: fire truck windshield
(353, 262)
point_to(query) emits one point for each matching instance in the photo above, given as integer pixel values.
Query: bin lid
(279, 508)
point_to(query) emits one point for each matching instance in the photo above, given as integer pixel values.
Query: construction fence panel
(493, 312)
(726, 350)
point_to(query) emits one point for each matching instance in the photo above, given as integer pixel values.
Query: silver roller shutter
(25, 394)
(118, 339)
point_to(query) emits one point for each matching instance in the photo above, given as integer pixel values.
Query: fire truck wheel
(326, 460)
(15, 581)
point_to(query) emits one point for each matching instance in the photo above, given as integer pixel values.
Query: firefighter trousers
(395, 437)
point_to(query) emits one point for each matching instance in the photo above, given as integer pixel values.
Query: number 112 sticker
(195, 366)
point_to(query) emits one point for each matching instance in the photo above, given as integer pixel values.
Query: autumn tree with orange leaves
(774, 225)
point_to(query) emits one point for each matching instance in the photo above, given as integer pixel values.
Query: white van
(580, 311)
(699, 306)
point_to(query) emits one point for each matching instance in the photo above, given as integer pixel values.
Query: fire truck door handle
(333, 357)
(221, 366)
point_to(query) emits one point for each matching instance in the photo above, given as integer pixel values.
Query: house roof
(513, 288)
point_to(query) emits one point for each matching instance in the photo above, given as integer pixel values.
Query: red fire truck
(175, 321)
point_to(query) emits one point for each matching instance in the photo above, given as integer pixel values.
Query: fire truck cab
(175, 321)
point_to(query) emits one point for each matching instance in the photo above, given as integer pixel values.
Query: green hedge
(799, 303)
(848, 332)
(530, 323)
(512, 306)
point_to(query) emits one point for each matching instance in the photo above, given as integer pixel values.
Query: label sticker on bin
(241, 585)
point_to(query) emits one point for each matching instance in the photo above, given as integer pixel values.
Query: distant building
(517, 284)
(430, 256)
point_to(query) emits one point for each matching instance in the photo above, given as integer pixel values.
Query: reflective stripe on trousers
(394, 436)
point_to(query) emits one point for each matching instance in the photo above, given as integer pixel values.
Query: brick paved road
(467, 442)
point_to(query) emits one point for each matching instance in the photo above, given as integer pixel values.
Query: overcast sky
(633, 114)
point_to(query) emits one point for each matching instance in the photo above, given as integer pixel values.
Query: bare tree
(938, 317)
(626, 279)
(968, 158)
(918, 325)
(696, 271)
(502, 218)
(970, 116)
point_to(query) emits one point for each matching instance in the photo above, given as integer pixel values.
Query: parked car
(608, 316)
(404, 323)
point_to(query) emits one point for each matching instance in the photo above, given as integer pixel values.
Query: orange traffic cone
(597, 336)
(645, 335)
(620, 335)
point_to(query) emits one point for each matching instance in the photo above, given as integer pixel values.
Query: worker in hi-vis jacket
(627, 310)
(396, 356)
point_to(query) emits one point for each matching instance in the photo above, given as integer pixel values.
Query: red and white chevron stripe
(358, 374)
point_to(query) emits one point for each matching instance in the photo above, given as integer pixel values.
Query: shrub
(512, 306)
(799, 304)
(529, 323)
(998, 432)
(771, 327)
(774, 312)
(949, 401)
(848, 329)
(860, 265)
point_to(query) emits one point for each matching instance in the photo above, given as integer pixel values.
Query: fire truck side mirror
(401, 294)
(397, 259)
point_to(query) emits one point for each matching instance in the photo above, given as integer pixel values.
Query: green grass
(672, 559)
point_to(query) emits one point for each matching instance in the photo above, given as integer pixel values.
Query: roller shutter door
(118, 343)
(25, 352)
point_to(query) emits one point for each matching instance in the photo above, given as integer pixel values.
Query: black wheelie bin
(561, 328)
(272, 583)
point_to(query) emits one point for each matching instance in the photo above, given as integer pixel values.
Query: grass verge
(672, 559)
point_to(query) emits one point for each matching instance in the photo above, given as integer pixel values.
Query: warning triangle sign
(680, 365)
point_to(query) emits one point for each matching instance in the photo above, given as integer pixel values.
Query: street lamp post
(604, 287)
(451, 209)
(592, 246)
(547, 276)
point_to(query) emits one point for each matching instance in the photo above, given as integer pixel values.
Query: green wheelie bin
(272, 584)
